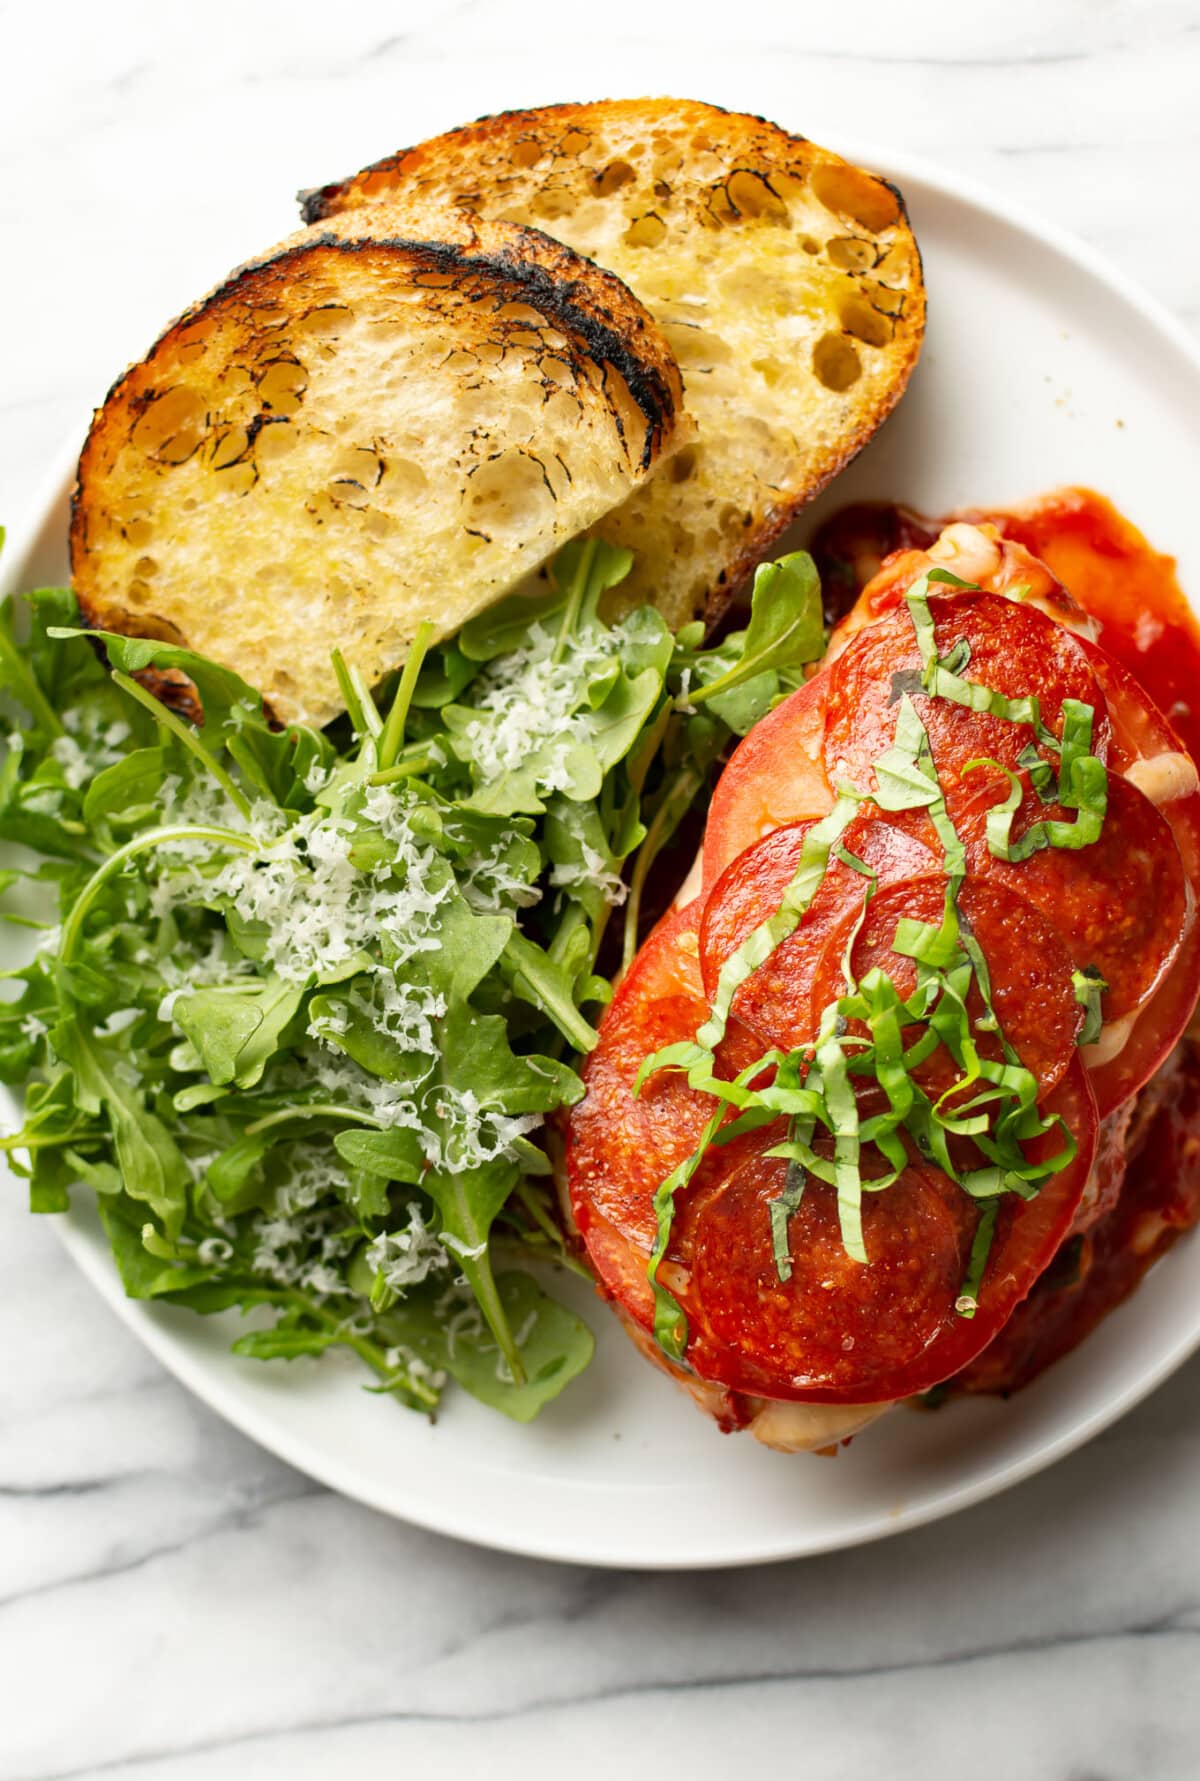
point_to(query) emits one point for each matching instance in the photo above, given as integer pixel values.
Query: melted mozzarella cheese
(1113, 1036)
(1165, 777)
(968, 551)
(809, 1428)
(691, 886)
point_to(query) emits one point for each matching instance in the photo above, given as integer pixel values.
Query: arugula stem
(355, 697)
(639, 764)
(537, 1212)
(575, 593)
(146, 842)
(527, 1244)
(676, 802)
(26, 688)
(81, 1136)
(314, 1110)
(393, 729)
(483, 1284)
(369, 708)
(525, 964)
(183, 732)
(407, 769)
(367, 1351)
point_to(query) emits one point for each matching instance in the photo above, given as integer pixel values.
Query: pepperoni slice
(1141, 733)
(1139, 729)
(839, 1331)
(1029, 968)
(1162, 1022)
(1154, 1034)
(621, 1146)
(1121, 904)
(776, 775)
(1014, 649)
(776, 1001)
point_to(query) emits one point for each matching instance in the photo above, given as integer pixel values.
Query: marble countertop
(175, 1603)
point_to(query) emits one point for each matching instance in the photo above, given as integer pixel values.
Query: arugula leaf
(143, 1274)
(444, 675)
(226, 700)
(287, 1341)
(233, 1176)
(285, 764)
(786, 625)
(127, 792)
(397, 1155)
(238, 1027)
(505, 627)
(243, 1131)
(469, 946)
(546, 984)
(151, 1164)
(33, 675)
(553, 1344)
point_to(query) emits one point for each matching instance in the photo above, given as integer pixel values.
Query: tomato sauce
(1116, 576)
(1148, 627)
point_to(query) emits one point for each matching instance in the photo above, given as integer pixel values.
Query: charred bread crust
(520, 304)
(677, 177)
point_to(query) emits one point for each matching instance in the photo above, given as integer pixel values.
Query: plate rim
(326, 1466)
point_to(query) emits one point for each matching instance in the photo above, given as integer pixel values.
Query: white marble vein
(175, 1604)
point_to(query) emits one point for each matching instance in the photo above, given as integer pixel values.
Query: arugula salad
(309, 1002)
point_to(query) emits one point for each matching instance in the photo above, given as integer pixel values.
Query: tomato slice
(776, 1000)
(839, 1331)
(776, 775)
(622, 1145)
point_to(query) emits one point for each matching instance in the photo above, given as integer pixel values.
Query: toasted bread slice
(373, 425)
(787, 282)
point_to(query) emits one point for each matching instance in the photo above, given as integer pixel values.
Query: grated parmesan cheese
(88, 747)
(525, 700)
(407, 1256)
(403, 1360)
(491, 886)
(322, 913)
(593, 870)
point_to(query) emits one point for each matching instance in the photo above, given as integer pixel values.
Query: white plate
(1041, 366)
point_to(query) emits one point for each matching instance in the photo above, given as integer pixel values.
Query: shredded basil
(942, 680)
(967, 1302)
(1085, 790)
(1042, 776)
(757, 946)
(1089, 986)
(993, 1103)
